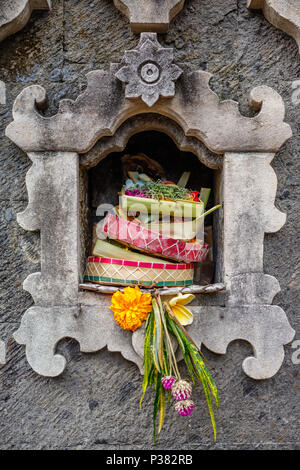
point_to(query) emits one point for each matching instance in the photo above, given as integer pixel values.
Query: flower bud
(185, 407)
(182, 390)
(168, 382)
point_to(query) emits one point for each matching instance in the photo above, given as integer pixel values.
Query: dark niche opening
(105, 180)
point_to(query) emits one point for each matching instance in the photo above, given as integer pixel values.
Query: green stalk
(171, 315)
(184, 179)
(204, 195)
(165, 328)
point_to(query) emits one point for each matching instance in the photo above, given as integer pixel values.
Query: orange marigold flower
(131, 308)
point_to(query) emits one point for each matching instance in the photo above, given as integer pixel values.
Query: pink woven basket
(141, 238)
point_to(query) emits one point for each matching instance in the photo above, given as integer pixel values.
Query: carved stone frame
(245, 148)
(282, 14)
(15, 14)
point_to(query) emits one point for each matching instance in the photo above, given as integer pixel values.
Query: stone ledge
(149, 15)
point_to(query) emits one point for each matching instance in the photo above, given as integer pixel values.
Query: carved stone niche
(149, 15)
(14, 14)
(283, 14)
(101, 120)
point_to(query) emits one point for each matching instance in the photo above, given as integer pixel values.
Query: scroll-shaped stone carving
(102, 108)
(94, 328)
(14, 14)
(149, 15)
(149, 71)
(52, 184)
(282, 14)
(265, 327)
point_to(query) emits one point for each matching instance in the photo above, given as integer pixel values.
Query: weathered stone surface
(281, 13)
(14, 14)
(93, 327)
(242, 50)
(20, 256)
(149, 71)
(146, 15)
(265, 327)
(53, 208)
(253, 288)
(249, 193)
(2, 353)
(100, 110)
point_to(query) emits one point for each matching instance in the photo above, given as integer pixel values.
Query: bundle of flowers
(164, 320)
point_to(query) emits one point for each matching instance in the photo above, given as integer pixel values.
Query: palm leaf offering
(155, 235)
(176, 208)
(161, 370)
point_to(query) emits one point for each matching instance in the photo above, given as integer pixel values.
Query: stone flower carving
(149, 71)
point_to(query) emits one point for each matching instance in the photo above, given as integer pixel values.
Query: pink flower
(185, 407)
(168, 382)
(182, 390)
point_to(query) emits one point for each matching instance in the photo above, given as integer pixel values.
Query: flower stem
(171, 353)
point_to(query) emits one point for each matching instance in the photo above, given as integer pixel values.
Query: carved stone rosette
(241, 148)
(149, 71)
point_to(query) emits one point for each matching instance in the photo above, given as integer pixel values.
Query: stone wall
(94, 403)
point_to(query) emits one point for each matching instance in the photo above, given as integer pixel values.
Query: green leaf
(208, 399)
(158, 386)
(152, 347)
(184, 179)
(202, 378)
(162, 408)
(148, 322)
(151, 375)
(158, 338)
(196, 367)
(190, 367)
(201, 368)
(166, 367)
(204, 195)
(148, 362)
(172, 328)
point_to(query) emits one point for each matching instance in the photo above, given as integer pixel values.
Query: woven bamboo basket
(121, 272)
